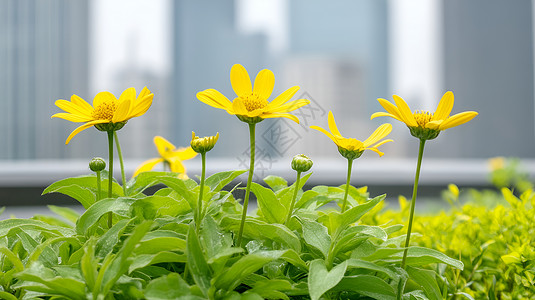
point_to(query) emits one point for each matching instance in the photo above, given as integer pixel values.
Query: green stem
(296, 189)
(120, 153)
(110, 173)
(199, 203)
(349, 167)
(249, 180)
(413, 201)
(99, 188)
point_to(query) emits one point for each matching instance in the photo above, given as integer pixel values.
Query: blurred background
(343, 54)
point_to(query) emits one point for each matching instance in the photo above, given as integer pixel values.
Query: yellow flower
(352, 148)
(107, 113)
(424, 124)
(252, 104)
(169, 154)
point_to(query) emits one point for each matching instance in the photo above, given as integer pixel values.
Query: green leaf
(219, 180)
(181, 188)
(316, 235)
(167, 287)
(12, 257)
(258, 229)
(120, 206)
(271, 288)
(49, 283)
(161, 240)
(276, 183)
(320, 280)
(426, 280)
(353, 263)
(33, 225)
(67, 213)
(118, 264)
(88, 264)
(306, 198)
(246, 265)
(268, 204)
(7, 296)
(144, 260)
(337, 221)
(84, 188)
(145, 180)
(367, 285)
(110, 238)
(416, 256)
(152, 207)
(200, 271)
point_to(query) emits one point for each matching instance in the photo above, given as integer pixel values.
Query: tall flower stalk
(201, 146)
(300, 163)
(252, 106)
(425, 126)
(352, 149)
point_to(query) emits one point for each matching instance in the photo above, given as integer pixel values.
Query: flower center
(104, 111)
(422, 117)
(253, 102)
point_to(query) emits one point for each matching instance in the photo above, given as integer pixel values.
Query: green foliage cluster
(491, 231)
(153, 250)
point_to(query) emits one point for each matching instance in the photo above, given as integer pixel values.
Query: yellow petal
(141, 106)
(144, 92)
(176, 165)
(283, 98)
(390, 108)
(83, 127)
(214, 98)
(264, 83)
(289, 106)
(82, 104)
(103, 97)
(238, 107)
(280, 115)
(128, 94)
(444, 107)
(121, 113)
(383, 142)
(147, 165)
(378, 134)
(375, 150)
(433, 124)
(332, 125)
(240, 80)
(73, 108)
(163, 146)
(384, 114)
(185, 153)
(335, 140)
(457, 119)
(405, 112)
(71, 117)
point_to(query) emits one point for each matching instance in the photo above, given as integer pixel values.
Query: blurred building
(488, 63)
(338, 54)
(206, 45)
(43, 57)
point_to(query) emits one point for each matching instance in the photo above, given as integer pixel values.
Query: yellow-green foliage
(495, 241)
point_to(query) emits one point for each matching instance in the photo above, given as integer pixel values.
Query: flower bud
(203, 145)
(97, 164)
(301, 163)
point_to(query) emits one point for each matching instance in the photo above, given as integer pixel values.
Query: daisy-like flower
(251, 104)
(424, 124)
(107, 113)
(351, 148)
(170, 155)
